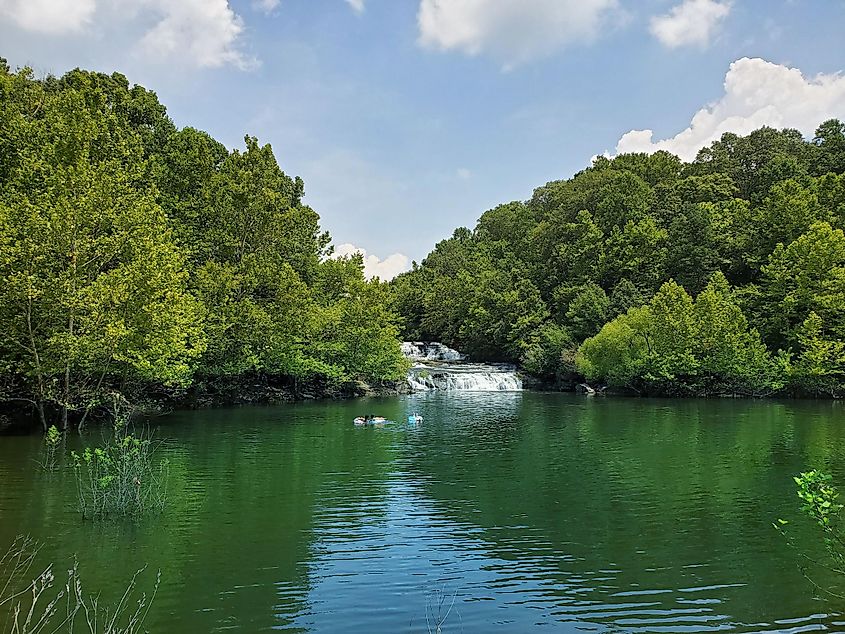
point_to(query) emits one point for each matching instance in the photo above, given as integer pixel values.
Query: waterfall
(438, 367)
(430, 351)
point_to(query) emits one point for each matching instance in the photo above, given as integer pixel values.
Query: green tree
(732, 357)
(830, 140)
(587, 311)
(820, 366)
(93, 289)
(808, 275)
(619, 353)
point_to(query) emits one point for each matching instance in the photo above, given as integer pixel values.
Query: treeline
(726, 274)
(139, 259)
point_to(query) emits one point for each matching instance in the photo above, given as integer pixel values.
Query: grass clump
(122, 478)
(37, 605)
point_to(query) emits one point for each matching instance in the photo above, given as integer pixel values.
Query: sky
(409, 118)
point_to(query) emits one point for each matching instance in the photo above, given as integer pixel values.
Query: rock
(583, 388)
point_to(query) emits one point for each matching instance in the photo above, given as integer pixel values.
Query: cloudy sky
(408, 118)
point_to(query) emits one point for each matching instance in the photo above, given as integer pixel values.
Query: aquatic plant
(820, 503)
(121, 478)
(52, 442)
(36, 605)
(437, 610)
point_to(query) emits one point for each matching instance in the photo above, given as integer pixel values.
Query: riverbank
(19, 417)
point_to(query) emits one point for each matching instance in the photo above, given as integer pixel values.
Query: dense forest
(142, 261)
(725, 275)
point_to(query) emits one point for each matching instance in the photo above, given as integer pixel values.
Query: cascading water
(430, 351)
(438, 367)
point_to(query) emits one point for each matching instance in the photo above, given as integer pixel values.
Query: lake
(519, 511)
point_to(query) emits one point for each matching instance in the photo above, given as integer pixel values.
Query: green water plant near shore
(820, 502)
(52, 445)
(121, 478)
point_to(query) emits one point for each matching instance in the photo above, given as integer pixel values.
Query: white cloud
(692, 22)
(357, 5)
(463, 173)
(267, 6)
(49, 16)
(511, 31)
(203, 33)
(386, 269)
(757, 93)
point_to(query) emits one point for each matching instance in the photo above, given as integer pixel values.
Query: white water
(438, 367)
(429, 351)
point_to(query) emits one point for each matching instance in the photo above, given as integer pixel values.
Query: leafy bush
(121, 478)
(679, 345)
(820, 503)
(52, 442)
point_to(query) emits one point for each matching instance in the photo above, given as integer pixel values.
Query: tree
(619, 353)
(93, 288)
(830, 141)
(808, 275)
(587, 311)
(550, 355)
(732, 357)
(820, 367)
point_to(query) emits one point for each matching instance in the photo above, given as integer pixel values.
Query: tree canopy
(136, 257)
(718, 275)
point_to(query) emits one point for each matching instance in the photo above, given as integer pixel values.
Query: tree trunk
(39, 406)
(39, 402)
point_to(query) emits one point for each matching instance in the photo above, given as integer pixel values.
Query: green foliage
(820, 503)
(678, 345)
(136, 257)
(121, 478)
(587, 311)
(550, 355)
(752, 229)
(820, 367)
(819, 498)
(52, 444)
(619, 353)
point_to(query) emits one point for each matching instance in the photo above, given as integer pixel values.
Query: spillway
(438, 367)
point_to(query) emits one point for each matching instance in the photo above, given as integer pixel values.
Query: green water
(529, 511)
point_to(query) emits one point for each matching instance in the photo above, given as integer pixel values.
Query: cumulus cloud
(357, 5)
(385, 269)
(691, 23)
(203, 33)
(757, 93)
(512, 31)
(49, 16)
(206, 32)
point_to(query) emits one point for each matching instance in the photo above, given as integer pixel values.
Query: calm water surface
(522, 511)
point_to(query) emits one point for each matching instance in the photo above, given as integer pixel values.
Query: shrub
(121, 478)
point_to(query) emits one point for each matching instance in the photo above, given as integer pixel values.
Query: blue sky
(408, 118)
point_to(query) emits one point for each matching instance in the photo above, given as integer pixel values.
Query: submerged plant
(36, 606)
(121, 478)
